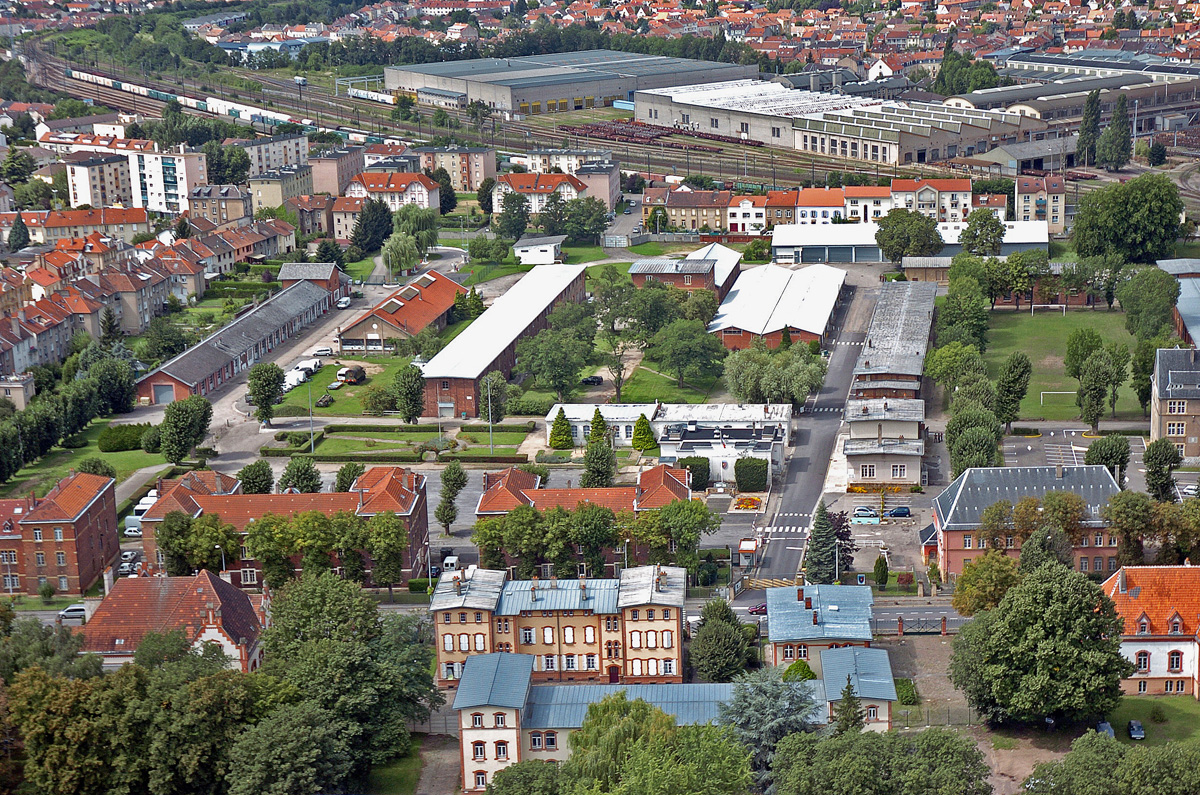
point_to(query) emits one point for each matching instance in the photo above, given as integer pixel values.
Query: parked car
(127, 568)
(901, 510)
(1190, 490)
(129, 555)
(323, 351)
(343, 303)
(73, 612)
(1106, 728)
(758, 609)
(864, 510)
(435, 572)
(1136, 732)
(591, 380)
(627, 211)
(133, 532)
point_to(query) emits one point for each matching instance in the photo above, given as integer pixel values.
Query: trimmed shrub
(367, 428)
(1019, 430)
(542, 457)
(418, 585)
(343, 458)
(524, 427)
(1158, 714)
(281, 436)
(290, 410)
(530, 406)
(699, 467)
(75, 442)
(152, 440)
(750, 474)
(906, 692)
(119, 438)
(484, 459)
(297, 438)
(904, 578)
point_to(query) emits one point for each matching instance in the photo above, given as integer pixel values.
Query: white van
(450, 564)
(311, 365)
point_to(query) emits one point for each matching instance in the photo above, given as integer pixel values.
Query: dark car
(1105, 727)
(758, 609)
(902, 510)
(435, 572)
(1136, 732)
(591, 380)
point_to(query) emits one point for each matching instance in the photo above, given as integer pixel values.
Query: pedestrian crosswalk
(796, 530)
(847, 342)
(817, 409)
(792, 514)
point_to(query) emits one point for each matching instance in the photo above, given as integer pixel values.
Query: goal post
(1063, 307)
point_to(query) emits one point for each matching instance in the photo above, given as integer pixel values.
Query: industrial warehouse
(858, 128)
(555, 83)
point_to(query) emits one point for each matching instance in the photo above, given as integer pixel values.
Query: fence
(918, 626)
(923, 715)
(445, 721)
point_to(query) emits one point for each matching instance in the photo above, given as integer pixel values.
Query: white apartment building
(536, 188)
(395, 189)
(567, 161)
(867, 202)
(162, 180)
(944, 200)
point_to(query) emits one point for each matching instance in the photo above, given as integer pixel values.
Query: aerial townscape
(589, 397)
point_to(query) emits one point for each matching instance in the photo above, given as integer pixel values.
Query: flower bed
(747, 504)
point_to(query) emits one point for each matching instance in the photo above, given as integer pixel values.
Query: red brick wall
(737, 342)
(145, 389)
(90, 544)
(699, 281)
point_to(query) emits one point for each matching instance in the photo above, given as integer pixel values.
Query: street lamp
(218, 546)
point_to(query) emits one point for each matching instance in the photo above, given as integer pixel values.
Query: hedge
(245, 285)
(74, 442)
(750, 474)
(699, 467)
(345, 458)
(530, 406)
(364, 428)
(485, 459)
(119, 438)
(291, 410)
(1021, 431)
(525, 427)
(418, 585)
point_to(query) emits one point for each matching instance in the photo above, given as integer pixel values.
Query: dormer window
(1143, 627)
(1176, 626)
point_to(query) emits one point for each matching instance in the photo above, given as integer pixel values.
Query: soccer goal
(1063, 307)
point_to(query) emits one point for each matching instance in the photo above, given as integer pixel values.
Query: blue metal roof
(870, 671)
(843, 613)
(565, 706)
(518, 595)
(495, 680)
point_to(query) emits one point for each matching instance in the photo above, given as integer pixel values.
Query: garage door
(841, 253)
(445, 409)
(812, 254)
(163, 394)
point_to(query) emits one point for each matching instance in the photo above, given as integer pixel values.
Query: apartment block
(269, 154)
(100, 180)
(944, 200)
(162, 181)
(468, 166)
(567, 161)
(1042, 199)
(273, 188)
(1175, 399)
(225, 205)
(333, 170)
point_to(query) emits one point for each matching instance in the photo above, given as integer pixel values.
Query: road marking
(791, 528)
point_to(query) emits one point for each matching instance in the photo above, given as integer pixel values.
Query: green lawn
(1183, 718)
(577, 254)
(405, 437)
(482, 450)
(1043, 336)
(650, 249)
(1063, 251)
(41, 475)
(507, 438)
(485, 272)
(361, 269)
(347, 401)
(338, 445)
(1187, 249)
(399, 776)
(646, 387)
(454, 329)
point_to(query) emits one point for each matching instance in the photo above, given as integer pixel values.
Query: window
(502, 625)
(41, 558)
(872, 713)
(1142, 661)
(667, 639)
(589, 634)
(1175, 661)
(628, 431)
(666, 614)
(547, 635)
(60, 558)
(1141, 687)
(802, 652)
(1176, 627)
(568, 634)
(1083, 564)
(37, 535)
(549, 663)
(569, 662)
(462, 618)
(775, 132)
(535, 741)
(1177, 407)
(477, 720)
(714, 124)
(464, 642)
(63, 584)
(551, 741)
(789, 653)
(899, 471)
(480, 642)
(590, 662)
(479, 750)
(1175, 429)
(867, 471)
(499, 720)
(1009, 542)
(636, 667)
(58, 536)
(502, 750)
(966, 542)
(249, 576)
(1143, 627)
(478, 618)
(635, 640)
(651, 640)
(633, 615)
(1169, 686)
(527, 635)
(611, 624)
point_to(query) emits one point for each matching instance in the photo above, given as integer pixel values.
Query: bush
(119, 438)
(1019, 430)
(916, 489)
(512, 427)
(418, 585)
(46, 590)
(297, 438)
(75, 441)
(485, 459)
(750, 474)
(699, 467)
(904, 578)
(290, 410)
(281, 436)
(1158, 714)
(343, 458)
(906, 693)
(542, 457)
(367, 428)
(152, 440)
(205, 453)
(530, 406)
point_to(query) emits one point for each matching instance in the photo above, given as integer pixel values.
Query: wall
(489, 734)
(1158, 675)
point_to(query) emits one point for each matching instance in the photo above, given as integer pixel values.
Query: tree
(163, 339)
(686, 348)
(484, 195)
(346, 475)
(96, 466)
(599, 465)
(975, 390)
(1050, 649)
(408, 388)
(799, 671)
(330, 251)
(966, 308)
(763, 710)
(700, 758)
(881, 572)
(1089, 769)
(983, 234)
(599, 431)
(1131, 519)
(454, 479)
(1148, 299)
(1089, 130)
(904, 233)
(1094, 379)
(18, 234)
(513, 219)
(616, 361)
(820, 559)
(257, 477)
(447, 198)
(388, 541)
(984, 582)
(1158, 154)
(446, 513)
(587, 218)
(1011, 388)
(300, 474)
(1138, 220)
(553, 217)
(298, 748)
(952, 362)
(266, 387)
(373, 226)
(115, 388)
(1114, 148)
(1046, 545)
(401, 252)
(1111, 452)
(321, 607)
(643, 434)
(554, 358)
(974, 447)
(1081, 344)
(1142, 368)
(560, 432)
(493, 397)
(17, 167)
(719, 651)
(530, 777)
(419, 223)
(850, 716)
(1161, 459)
(184, 425)
(611, 730)
(685, 522)
(110, 325)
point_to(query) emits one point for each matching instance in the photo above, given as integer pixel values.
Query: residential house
(691, 209)
(314, 212)
(426, 302)
(49, 226)
(621, 417)
(19, 388)
(567, 161)
(536, 188)
(1159, 608)
(819, 205)
(656, 488)
(944, 200)
(344, 214)
(1042, 199)
(602, 180)
(885, 443)
(1175, 399)
(746, 215)
(274, 152)
(323, 274)
(468, 166)
(995, 203)
(227, 206)
(396, 190)
(867, 202)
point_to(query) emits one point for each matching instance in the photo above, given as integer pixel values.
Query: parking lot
(1068, 447)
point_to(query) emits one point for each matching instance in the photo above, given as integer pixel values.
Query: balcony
(1040, 202)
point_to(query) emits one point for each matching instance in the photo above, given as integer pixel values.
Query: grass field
(485, 272)
(454, 329)
(645, 386)
(41, 475)
(594, 271)
(1043, 337)
(361, 269)
(506, 438)
(347, 401)
(1183, 718)
(341, 445)
(483, 450)
(574, 255)
(399, 776)
(1062, 251)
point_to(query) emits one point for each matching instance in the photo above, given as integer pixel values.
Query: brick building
(1160, 609)
(333, 170)
(323, 274)
(490, 343)
(423, 303)
(768, 299)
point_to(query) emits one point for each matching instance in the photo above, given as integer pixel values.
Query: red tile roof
(179, 495)
(348, 204)
(240, 510)
(657, 487)
(376, 182)
(1159, 594)
(820, 197)
(394, 489)
(936, 184)
(138, 605)
(541, 183)
(503, 491)
(414, 306)
(867, 191)
(663, 485)
(69, 498)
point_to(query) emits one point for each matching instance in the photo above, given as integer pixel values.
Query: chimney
(554, 583)
(799, 594)
(583, 594)
(814, 615)
(814, 82)
(808, 603)
(533, 589)
(1121, 585)
(1058, 471)
(457, 586)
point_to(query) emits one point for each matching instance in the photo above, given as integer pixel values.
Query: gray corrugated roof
(959, 506)
(1180, 267)
(565, 706)
(480, 592)
(1188, 305)
(546, 240)
(289, 271)
(639, 586)
(518, 595)
(898, 336)
(884, 447)
(495, 680)
(666, 265)
(875, 409)
(870, 672)
(843, 613)
(1177, 373)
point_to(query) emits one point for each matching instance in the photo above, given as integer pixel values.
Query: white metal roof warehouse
(769, 299)
(482, 343)
(794, 243)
